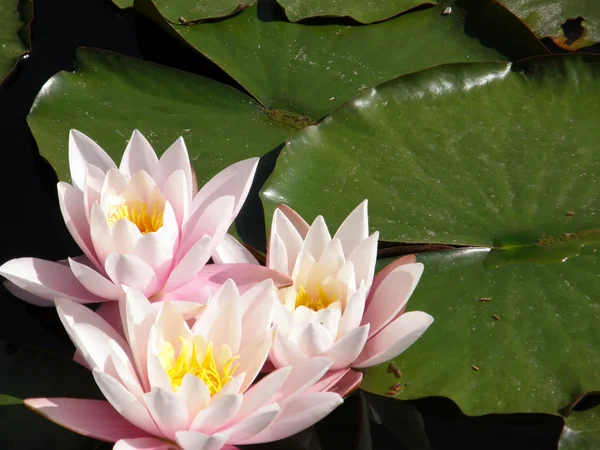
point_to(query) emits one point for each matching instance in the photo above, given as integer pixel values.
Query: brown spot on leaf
(573, 37)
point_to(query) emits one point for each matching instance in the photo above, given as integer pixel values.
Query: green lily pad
(110, 95)
(570, 24)
(484, 154)
(7, 400)
(358, 10)
(123, 3)
(581, 431)
(185, 11)
(313, 69)
(531, 344)
(14, 33)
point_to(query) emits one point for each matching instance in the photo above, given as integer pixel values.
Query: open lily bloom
(143, 225)
(172, 385)
(336, 307)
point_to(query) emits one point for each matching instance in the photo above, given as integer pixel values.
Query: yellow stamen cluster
(187, 362)
(321, 302)
(138, 214)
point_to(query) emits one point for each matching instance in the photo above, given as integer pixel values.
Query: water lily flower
(336, 307)
(143, 224)
(173, 385)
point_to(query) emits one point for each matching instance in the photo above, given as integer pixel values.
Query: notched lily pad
(189, 11)
(582, 428)
(360, 10)
(15, 17)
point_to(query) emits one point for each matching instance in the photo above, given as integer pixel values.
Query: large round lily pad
(359, 10)
(185, 11)
(571, 24)
(110, 95)
(14, 32)
(510, 335)
(581, 430)
(486, 154)
(313, 69)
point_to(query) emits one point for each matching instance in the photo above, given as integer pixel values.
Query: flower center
(187, 362)
(146, 220)
(321, 302)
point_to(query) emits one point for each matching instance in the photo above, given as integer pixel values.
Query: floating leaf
(359, 10)
(184, 11)
(581, 431)
(520, 336)
(14, 32)
(313, 69)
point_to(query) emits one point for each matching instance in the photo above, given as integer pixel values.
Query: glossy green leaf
(465, 154)
(581, 431)
(540, 352)
(110, 95)
(313, 69)
(7, 400)
(360, 10)
(184, 11)
(123, 3)
(558, 19)
(14, 32)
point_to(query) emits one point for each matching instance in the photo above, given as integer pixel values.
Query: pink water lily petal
(71, 202)
(282, 227)
(189, 440)
(253, 424)
(252, 358)
(84, 151)
(94, 418)
(262, 392)
(145, 443)
(277, 258)
(383, 274)
(138, 155)
(219, 412)
(258, 319)
(284, 352)
(391, 296)
(190, 265)
(363, 258)
(125, 403)
(233, 180)
(332, 259)
(312, 339)
(101, 234)
(129, 270)
(94, 346)
(227, 327)
(169, 413)
(394, 338)
(354, 229)
(26, 296)
(46, 280)
(317, 238)
(115, 183)
(94, 179)
(93, 281)
(176, 193)
(125, 370)
(298, 415)
(174, 158)
(329, 380)
(304, 374)
(230, 251)
(347, 384)
(125, 235)
(354, 311)
(295, 219)
(194, 394)
(347, 349)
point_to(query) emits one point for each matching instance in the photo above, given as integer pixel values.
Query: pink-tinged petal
(259, 317)
(217, 414)
(138, 155)
(284, 352)
(262, 292)
(261, 393)
(101, 234)
(317, 238)
(253, 424)
(391, 296)
(115, 183)
(252, 358)
(188, 440)
(72, 207)
(291, 240)
(277, 255)
(298, 415)
(332, 258)
(125, 370)
(303, 376)
(312, 339)
(213, 276)
(353, 312)
(233, 180)
(93, 418)
(22, 294)
(129, 270)
(145, 443)
(109, 311)
(383, 274)
(94, 346)
(190, 265)
(354, 229)
(363, 258)
(347, 349)
(230, 251)
(46, 280)
(283, 319)
(329, 380)
(94, 282)
(295, 219)
(157, 377)
(125, 403)
(176, 193)
(194, 394)
(84, 151)
(125, 235)
(94, 179)
(302, 268)
(328, 317)
(348, 384)
(227, 327)
(167, 411)
(174, 158)
(213, 221)
(232, 387)
(172, 326)
(394, 338)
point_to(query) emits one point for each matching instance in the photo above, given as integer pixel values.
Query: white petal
(84, 151)
(230, 251)
(190, 264)
(312, 339)
(194, 394)
(217, 414)
(282, 227)
(364, 257)
(353, 312)
(261, 393)
(93, 281)
(174, 158)
(167, 411)
(347, 349)
(129, 270)
(253, 424)
(354, 229)
(189, 440)
(317, 238)
(138, 155)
